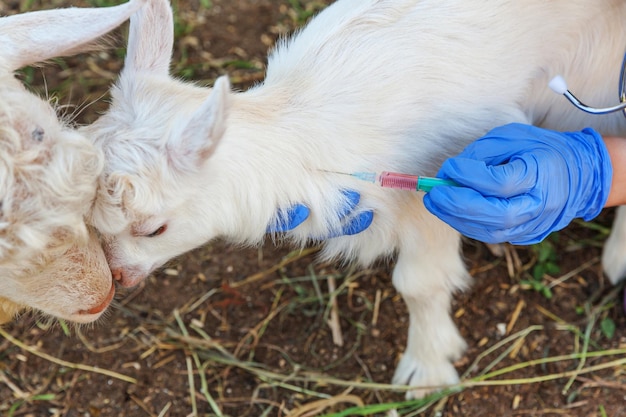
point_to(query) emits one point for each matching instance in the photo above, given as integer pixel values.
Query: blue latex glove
(299, 213)
(519, 183)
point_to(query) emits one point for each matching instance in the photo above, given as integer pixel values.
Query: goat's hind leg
(614, 254)
(427, 273)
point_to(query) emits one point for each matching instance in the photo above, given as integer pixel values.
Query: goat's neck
(268, 159)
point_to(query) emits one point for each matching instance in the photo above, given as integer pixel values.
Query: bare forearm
(617, 150)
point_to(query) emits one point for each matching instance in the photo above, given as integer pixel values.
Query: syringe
(401, 181)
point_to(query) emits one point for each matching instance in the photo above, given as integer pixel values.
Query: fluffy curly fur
(49, 260)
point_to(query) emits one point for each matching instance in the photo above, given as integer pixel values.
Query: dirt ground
(226, 331)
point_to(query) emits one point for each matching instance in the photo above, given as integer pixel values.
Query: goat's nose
(118, 274)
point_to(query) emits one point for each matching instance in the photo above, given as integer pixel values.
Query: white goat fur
(48, 175)
(367, 85)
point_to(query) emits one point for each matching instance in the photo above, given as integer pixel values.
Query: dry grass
(210, 362)
(202, 345)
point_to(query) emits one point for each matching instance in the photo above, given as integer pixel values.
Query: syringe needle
(365, 176)
(399, 181)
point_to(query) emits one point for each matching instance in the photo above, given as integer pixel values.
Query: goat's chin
(75, 307)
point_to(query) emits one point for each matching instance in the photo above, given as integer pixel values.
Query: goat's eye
(38, 134)
(157, 232)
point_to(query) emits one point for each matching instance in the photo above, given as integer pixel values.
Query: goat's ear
(37, 36)
(200, 134)
(151, 39)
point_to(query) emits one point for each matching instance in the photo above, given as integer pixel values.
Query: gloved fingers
(289, 219)
(464, 207)
(515, 236)
(298, 213)
(520, 235)
(504, 142)
(519, 183)
(500, 143)
(516, 177)
(358, 223)
(352, 200)
(353, 226)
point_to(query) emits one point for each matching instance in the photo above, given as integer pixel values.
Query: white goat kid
(367, 85)
(48, 176)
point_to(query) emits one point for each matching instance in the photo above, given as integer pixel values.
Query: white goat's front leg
(429, 269)
(614, 254)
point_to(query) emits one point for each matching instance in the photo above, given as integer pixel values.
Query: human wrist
(596, 172)
(616, 147)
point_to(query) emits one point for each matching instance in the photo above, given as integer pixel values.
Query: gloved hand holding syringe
(519, 183)
(399, 181)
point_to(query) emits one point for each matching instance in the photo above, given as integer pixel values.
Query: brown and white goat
(49, 259)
